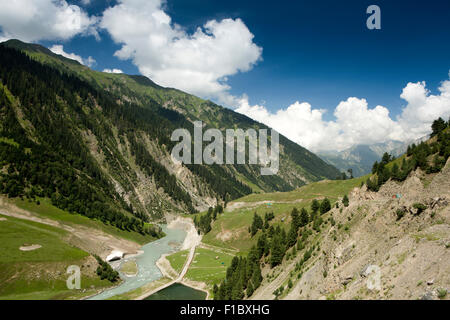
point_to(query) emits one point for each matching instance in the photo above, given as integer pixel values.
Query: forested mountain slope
(99, 144)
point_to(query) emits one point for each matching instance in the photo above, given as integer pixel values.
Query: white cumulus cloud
(198, 63)
(356, 123)
(423, 108)
(59, 49)
(112, 71)
(34, 20)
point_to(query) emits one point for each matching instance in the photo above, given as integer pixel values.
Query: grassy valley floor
(39, 242)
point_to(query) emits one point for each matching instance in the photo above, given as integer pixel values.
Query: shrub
(400, 214)
(345, 201)
(442, 293)
(420, 207)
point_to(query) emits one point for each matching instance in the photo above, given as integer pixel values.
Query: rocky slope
(384, 233)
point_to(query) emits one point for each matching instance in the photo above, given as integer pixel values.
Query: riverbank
(192, 240)
(146, 262)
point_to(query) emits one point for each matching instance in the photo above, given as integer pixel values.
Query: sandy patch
(225, 235)
(174, 244)
(250, 205)
(166, 268)
(30, 247)
(192, 239)
(129, 268)
(3, 219)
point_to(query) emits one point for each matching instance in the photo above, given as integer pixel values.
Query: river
(146, 262)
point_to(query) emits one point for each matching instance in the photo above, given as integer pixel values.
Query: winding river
(146, 262)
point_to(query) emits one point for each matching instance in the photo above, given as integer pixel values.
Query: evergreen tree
(438, 126)
(304, 217)
(375, 167)
(257, 224)
(277, 250)
(315, 205)
(296, 221)
(292, 236)
(325, 206)
(345, 201)
(250, 289)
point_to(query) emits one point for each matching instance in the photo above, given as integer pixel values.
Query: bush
(420, 207)
(400, 214)
(345, 201)
(442, 293)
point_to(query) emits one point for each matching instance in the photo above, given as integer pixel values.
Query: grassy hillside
(41, 273)
(46, 210)
(230, 230)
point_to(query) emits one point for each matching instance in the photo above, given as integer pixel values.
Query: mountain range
(360, 158)
(98, 142)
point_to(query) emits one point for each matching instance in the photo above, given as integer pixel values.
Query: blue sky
(322, 52)
(319, 52)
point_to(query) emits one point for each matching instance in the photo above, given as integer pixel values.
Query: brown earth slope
(411, 254)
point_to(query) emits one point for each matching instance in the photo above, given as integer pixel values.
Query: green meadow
(230, 230)
(209, 266)
(178, 259)
(39, 273)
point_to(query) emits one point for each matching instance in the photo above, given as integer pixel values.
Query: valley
(411, 252)
(87, 179)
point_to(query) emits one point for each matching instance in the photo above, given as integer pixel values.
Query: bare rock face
(411, 252)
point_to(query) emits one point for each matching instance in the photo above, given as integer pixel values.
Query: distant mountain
(360, 158)
(99, 143)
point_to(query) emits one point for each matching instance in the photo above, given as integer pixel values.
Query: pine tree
(438, 126)
(304, 217)
(296, 222)
(276, 251)
(315, 206)
(325, 206)
(292, 236)
(250, 289)
(345, 201)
